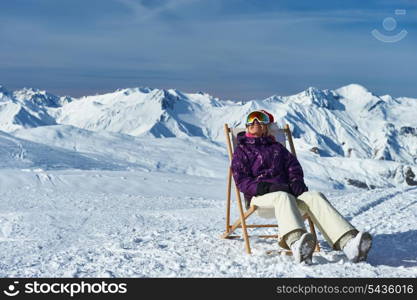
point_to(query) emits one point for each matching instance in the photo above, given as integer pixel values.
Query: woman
(272, 179)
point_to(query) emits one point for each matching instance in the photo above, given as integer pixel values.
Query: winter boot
(357, 248)
(303, 248)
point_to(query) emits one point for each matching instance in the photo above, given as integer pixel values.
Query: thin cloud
(143, 13)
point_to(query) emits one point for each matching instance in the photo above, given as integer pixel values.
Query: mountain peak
(353, 90)
(29, 92)
(355, 86)
(37, 97)
(314, 92)
(313, 89)
(129, 91)
(317, 97)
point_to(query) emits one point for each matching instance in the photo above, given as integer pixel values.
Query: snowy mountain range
(349, 122)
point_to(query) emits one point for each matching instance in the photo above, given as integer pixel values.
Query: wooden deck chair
(281, 135)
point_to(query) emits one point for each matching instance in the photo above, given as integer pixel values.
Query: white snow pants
(289, 210)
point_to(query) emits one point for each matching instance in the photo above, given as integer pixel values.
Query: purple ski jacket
(263, 159)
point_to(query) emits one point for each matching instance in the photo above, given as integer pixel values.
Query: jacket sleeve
(292, 166)
(242, 173)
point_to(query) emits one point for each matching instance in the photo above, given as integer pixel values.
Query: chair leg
(229, 188)
(243, 221)
(313, 232)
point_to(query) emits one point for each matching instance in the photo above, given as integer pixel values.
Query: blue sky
(232, 49)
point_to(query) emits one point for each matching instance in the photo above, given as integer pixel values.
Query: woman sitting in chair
(271, 178)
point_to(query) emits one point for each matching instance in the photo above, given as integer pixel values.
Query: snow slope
(23, 154)
(135, 153)
(150, 224)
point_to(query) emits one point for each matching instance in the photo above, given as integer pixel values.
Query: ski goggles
(261, 117)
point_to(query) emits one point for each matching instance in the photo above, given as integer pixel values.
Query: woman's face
(257, 129)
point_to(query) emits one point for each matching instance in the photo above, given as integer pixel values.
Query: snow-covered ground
(133, 183)
(75, 223)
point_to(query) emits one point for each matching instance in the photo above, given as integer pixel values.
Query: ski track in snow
(164, 225)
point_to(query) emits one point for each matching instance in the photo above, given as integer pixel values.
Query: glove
(279, 187)
(263, 188)
(298, 187)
